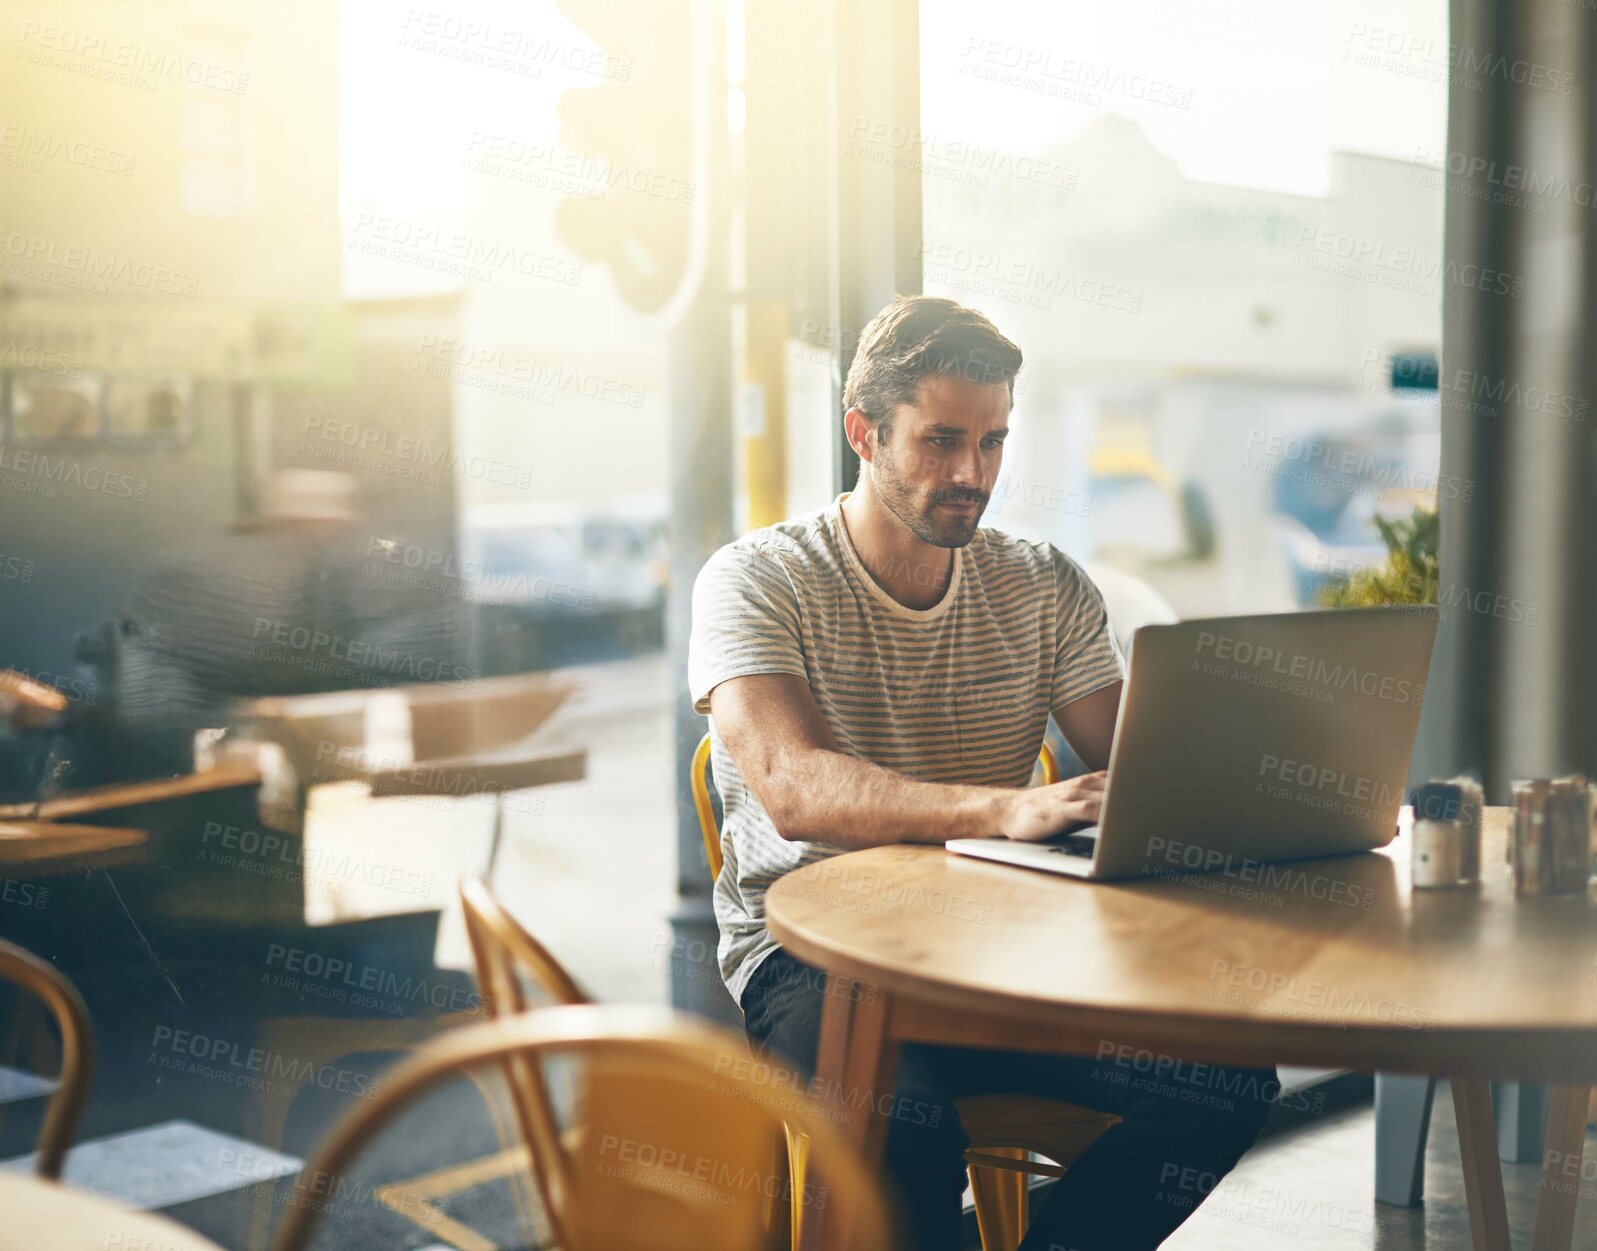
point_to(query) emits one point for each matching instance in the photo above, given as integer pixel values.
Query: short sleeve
(1087, 657)
(745, 621)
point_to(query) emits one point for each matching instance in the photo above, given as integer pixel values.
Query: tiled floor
(160, 1166)
(1311, 1188)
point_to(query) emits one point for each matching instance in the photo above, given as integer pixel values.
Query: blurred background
(348, 346)
(546, 297)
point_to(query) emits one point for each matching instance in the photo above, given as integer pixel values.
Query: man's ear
(858, 429)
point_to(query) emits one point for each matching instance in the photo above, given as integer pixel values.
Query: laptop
(1251, 739)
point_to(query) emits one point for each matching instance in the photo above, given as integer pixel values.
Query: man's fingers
(1051, 810)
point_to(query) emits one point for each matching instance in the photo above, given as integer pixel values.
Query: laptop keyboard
(1074, 845)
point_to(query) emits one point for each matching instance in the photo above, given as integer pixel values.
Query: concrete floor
(1311, 1188)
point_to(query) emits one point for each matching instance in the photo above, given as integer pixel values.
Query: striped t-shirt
(956, 693)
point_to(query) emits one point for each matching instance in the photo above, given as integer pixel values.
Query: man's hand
(1044, 811)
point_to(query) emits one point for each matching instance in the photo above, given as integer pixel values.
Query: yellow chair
(1005, 1131)
(42, 980)
(677, 1145)
(504, 953)
(500, 948)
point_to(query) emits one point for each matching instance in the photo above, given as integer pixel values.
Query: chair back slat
(504, 953)
(699, 783)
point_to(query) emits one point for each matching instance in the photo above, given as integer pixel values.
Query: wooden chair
(500, 947)
(677, 1146)
(42, 980)
(505, 952)
(506, 958)
(1005, 1131)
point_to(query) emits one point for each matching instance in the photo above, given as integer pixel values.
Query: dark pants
(1183, 1127)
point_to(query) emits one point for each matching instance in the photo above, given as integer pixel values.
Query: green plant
(1409, 574)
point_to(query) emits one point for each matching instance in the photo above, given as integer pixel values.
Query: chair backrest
(699, 781)
(61, 997)
(504, 953)
(677, 1145)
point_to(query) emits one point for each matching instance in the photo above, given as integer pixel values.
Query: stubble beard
(900, 500)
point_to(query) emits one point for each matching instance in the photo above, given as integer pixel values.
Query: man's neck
(914, 573)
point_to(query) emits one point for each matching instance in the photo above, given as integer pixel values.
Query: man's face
(936, 468)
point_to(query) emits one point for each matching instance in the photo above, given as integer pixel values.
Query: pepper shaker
(1527, 845)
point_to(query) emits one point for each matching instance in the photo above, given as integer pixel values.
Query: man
(882, 671)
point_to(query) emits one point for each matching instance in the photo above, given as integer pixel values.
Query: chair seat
(1052, 1128)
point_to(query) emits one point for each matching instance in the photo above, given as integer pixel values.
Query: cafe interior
(378, 383)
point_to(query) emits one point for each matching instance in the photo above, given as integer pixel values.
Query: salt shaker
(1437, 855)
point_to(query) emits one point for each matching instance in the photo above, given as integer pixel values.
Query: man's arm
(1088, 724)
(812, 791)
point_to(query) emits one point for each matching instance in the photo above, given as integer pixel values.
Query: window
(1217, 238)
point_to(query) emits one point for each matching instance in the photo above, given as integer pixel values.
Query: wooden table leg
(1561, 1159)
(1483, 1176)
(857, 1061)
(854, 1073)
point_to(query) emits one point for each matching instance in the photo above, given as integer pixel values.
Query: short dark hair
(918, 337)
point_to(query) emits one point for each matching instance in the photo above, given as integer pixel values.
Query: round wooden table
(47, 1216)
(1333, 963)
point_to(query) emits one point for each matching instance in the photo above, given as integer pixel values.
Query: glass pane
(1217, 238)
